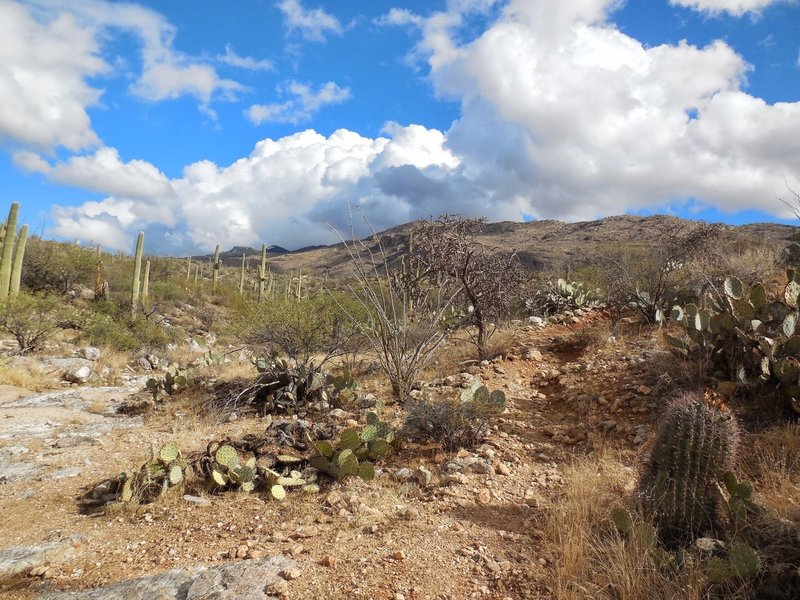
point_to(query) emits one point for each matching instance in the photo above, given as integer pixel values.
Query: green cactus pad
(622, 520)
(250, 462)
(744, 561)
(126, 495)
(350, 439)
(218, 477)
(288, 459)
(342, 456)
(369, 433)
(791, 293)
(373, 419)
(366, 471)
(717, 570)
(320, 463)
(290, 481)
(169, 452)
(175, 475)
(277, 492)
(676, 342)
(226, 455)
(758, 296)
(481, 394)
(248, 486)
(245, 473)
(792, 346)
(324, 448)
(789, 325)
(742, 309)
(379, 449)
(734, 288)
(311, 488)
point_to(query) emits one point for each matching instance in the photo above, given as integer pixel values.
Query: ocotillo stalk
(188, 268)
(299, 283)
(262, 272)
(146, 281)
(269, 284)
(19, 254)
(8, 251)
(137, 270)
(216, 265)
(241, 277)
(196, 273)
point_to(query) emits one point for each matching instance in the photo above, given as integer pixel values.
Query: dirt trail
(467, 534)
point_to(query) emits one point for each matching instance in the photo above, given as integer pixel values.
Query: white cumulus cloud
(733, 7)
(304, 103)
(244, 62)
(312, 24)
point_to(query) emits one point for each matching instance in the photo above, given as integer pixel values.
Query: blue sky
(264, 120)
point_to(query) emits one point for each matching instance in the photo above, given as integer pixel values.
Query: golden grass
(595, 561)
(774, 467)
(28, 377)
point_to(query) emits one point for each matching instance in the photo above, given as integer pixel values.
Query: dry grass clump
(774, 466)
(596, 561)
(29, 377)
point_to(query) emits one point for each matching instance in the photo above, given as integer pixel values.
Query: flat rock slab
(241, 580)
(21, 559)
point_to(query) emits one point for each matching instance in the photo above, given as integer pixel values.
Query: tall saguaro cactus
(8, 251)
(146, 281)
(16, 269)
(262, 272)
(137, 270)
(215, 269)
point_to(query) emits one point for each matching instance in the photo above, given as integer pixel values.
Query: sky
(284, 121)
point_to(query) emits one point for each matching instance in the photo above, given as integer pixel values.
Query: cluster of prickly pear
(284, 475)
(750, 337)
(695, 446)
(344, 389)
(228, 472)
(156, 476)
(286, 386)
(578, 294)
(486, 403)
(174, 380)
(358, 450)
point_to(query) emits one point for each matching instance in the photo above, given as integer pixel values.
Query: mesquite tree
(488, 280)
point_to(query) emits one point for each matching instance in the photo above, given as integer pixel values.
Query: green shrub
(33, 319)
(108, 324)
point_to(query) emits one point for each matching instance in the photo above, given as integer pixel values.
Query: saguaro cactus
(137, 270)
(8, 251)
(146, 281)
(695, 445)
(215, 269)
(262, 272)
(16, 269)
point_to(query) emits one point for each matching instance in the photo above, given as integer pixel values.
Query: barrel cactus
(695, 446)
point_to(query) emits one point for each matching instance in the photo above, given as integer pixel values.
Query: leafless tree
(486, 280)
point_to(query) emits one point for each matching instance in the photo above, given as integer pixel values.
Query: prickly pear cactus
(166, 469)
(752, 341)
(695, 446)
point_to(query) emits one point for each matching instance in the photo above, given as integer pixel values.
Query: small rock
(327, 561)
(89, 353)
(424, 476)
(399, 555)
(242, 551)
(79, 375)
(291, 573)
(502, 469)
(709, 545)
(144, 364)
(403, 474)
(338, 413)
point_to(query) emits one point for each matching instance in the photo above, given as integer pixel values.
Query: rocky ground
(431, 525)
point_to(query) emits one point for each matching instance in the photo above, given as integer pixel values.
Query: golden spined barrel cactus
(695, 445)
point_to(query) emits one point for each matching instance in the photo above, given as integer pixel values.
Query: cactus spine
(146, 281)
(695, 445)
(19, 254)
(137, 270)
(262, 272)
(215, 269)
(8, 251)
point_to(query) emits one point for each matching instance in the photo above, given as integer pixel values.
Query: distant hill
(539, 244)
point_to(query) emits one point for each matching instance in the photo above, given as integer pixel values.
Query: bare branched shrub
(486, 281)
(402, 325)
(649, 277)
(750, 262)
